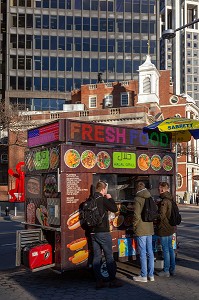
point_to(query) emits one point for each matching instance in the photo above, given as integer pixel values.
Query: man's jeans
(103, 241)
(168, 253)
(146, 255)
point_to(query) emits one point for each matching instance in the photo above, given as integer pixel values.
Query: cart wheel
(104, 271)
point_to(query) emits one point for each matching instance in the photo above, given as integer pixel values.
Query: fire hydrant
(7, 210)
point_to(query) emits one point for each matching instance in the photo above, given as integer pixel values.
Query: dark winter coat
(141, 228)
(163, 226)
(104, 205)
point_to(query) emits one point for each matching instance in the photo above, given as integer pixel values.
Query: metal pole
(187, 25)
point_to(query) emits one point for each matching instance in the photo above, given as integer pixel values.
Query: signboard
(85, 159)
(53, 132)
(98, 133)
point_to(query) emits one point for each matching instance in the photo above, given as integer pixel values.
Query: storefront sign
(85, 132)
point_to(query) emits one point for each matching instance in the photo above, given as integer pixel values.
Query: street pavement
(21, 284)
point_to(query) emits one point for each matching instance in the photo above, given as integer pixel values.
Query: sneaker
(151, 278)
(172, 274)
(115, 283)
(163, 274)
(140, 278)
(100, 284)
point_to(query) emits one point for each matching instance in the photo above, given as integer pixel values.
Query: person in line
(165, 230)
(144, 232)
(102, 240)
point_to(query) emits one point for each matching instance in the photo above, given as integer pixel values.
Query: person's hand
(108, 196)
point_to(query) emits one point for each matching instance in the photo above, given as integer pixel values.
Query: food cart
(64, 161)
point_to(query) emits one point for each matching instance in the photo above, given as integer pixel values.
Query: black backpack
(90, 212)
(175, 218)
(149, 211)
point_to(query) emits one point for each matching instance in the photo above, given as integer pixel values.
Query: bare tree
(12, 120)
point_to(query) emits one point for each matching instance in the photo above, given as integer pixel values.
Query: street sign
(195, 177)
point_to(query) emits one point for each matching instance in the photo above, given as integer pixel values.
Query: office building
(55, 46)
(181, 54)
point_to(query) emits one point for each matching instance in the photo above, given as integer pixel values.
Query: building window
(179, 181)
(92, 101)
(108, 101)
(174, 99)
(124, 99)
(178, 116)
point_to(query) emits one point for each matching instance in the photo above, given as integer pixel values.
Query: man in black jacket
(101, 238)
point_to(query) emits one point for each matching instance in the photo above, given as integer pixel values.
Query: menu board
(81, 159)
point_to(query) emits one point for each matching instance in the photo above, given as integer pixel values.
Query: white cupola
(148, 82)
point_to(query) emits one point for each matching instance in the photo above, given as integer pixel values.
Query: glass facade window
(61, 63)
(94, 65)
(46, 21)
(94, 4)
(37, 62)
(53, 42)
(61, 84)
(94, 24)
(53, 63)
(86, 44)
(103, 65)
(78, 23)
(38, 21)
(77, 64)
(103, 24)
(45, 42)
(103, 45)
(69, 38)
(78, 44)
(111, 65)
(69, 64)
(69, 23)
(53, 22)
(86, 65)
(86, 24)
(45, 63)
(78, 4)
(86, 5)
(37, 83)
(120, 66)
(94, 44)
(53, 84)
(45, 84)
(69, 43)
(61, 43)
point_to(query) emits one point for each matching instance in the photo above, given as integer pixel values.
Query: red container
(37, 255)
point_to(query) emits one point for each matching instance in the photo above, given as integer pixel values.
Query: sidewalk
(11, 216)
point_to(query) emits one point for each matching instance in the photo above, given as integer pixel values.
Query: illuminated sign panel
(95, 133)
(46, 134)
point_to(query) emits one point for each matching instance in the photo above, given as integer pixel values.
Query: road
(20, 284)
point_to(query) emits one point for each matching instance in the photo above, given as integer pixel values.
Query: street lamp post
(171, 33)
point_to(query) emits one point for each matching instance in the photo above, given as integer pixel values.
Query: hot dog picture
(79, 257)
(74, 221)
(77, 244)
